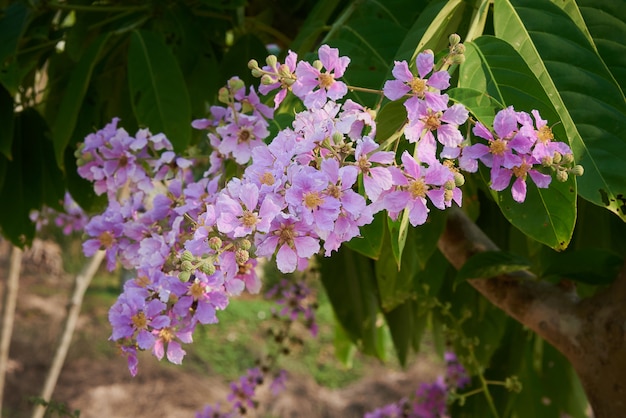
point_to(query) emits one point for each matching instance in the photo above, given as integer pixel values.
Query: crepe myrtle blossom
(275, 75)
(419, 87)
(315, 86)
(521, 168)
(376, 179)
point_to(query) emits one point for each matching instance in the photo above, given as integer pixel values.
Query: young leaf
(489, 264)
(157, 87)
(575, 78)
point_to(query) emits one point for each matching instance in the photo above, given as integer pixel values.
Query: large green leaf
(72, 100)
(348, 278)
(370, 242)
(12, 25)
(493, 66)
(606, 21)
(314, 25)
(6, 115)
(159, 94)
(590, 104)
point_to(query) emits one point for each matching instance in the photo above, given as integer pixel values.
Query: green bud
(454, 39)
(449, 185)
(317, 64)
(267, 80)
(236, 84)
(223, 95)
(284, 71)
(557, 157)
(459, 179)
(561, 175)
(187, 256)
(207, 268)
(271, 60)
(241, 256)
(577, 170)
(215, 243)
(186, 265)
(337, 138)
(256, 73)
(459, 49)
(244, 244)
(458, 59)
(184, 276)
(547, 161)
(253, 65)
(568, 158)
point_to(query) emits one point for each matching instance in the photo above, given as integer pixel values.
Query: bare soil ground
(96, 381)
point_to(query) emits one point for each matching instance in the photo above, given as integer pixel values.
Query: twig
(80, 287)
(8, 315)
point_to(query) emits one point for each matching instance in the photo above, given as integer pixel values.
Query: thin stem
(8, 316)
(366, 90)
(485, 388)
(81, 284)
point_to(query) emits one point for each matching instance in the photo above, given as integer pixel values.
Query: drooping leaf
(158, 90)
(490, 264)
(575, 79)
(72, 100)
(492, 65)
(349, 280)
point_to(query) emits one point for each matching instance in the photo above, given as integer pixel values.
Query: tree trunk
(589, 332)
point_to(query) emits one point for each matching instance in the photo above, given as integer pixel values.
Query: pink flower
(375, 179)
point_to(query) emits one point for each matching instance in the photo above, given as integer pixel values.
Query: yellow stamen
(249, 219)
(544, 134)
(417, 188)
(418, 86)
(312, 200)
(497, 147)
(326, 80)
(139, 320)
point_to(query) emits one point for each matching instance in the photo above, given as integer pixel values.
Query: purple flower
(239, 214)
(375, 179)
(310, 77)
(521, 167)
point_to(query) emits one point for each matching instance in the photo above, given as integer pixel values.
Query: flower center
(267, 178)
(522, 170)
(418, 86)
(432, 121)
(142, 281)
(364, 165)
(249, 219)
(335, 191)
(286, 235)
(244, 135)
(196, 290)
(417, 188)
(312, 200)
(166, 335)
(326, 80)
(106, 239)
(544, 134)
(139, 320)
(497, 147)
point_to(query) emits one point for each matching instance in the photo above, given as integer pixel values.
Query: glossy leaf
(490, 264)
(574, 77)
(314, 25)
(72, 100)
(492, 65)
(159, 94)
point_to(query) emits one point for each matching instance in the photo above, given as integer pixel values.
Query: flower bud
(284, 71)
(184, 276)
(459, 49)
(241, 256)
(449, 185)
(207, 268)
(253, 65)
(458, 59)
(186, 265)
(317, 64)
(187, 256)
(568, 158)
(448, 195)
(547, 161)
(256, 73)
(271, 60)
(454, 39)
(244, 244)
(215, 243)
(561, 175)
(557, 157)
(577, 170)
(459, 179)
(266, 80)
(236, 84)
(223, 95)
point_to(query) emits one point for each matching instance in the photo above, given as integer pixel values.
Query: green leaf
(482, 106)
(7, 116)
(12, 25)
(492, 65)
(398, 231)
(72, 100)
(489, 264)
(390, 120)
(235, 62)
(353, 297)
(313, 26)
(344, 347)
(159, 94)
(606, 21)
(581, 89)
(593, 266)
(402, 325)
(370, 242)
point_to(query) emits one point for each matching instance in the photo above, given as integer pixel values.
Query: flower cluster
(431, 399)
(194, 243)
(72, 219)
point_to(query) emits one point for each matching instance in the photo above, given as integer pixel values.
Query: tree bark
(589, 332)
